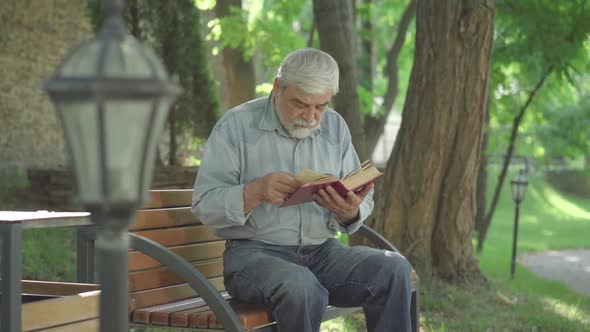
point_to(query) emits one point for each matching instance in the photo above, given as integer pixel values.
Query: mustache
(303, 123)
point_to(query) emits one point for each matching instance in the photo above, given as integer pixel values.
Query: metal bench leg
(415, 311)
(11, 236)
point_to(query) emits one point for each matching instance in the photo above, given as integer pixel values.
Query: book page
(308, 176)
(366, 164)
(362, 177)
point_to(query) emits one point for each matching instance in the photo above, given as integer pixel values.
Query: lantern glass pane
(514, 188)
(522, 189)
(125, 60)
(127, 124)
(80, 124)
(83, 61)
(152, 58)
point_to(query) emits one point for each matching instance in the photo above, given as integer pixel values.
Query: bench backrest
(167, 219)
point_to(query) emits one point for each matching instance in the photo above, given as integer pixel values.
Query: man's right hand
(272, 188)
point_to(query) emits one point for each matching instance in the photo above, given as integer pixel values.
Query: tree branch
(311, 33)
(373, 126)
(510, 150)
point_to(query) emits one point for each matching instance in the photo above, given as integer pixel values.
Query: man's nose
(308, 115)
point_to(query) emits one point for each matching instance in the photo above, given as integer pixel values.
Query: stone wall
(34, 37)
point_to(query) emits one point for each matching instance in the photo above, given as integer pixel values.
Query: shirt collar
(270, 120)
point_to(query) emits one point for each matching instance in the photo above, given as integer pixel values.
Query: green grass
(50, 254)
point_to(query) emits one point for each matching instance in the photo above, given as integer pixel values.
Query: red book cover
(353, 182)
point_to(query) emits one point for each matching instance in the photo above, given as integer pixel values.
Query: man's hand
(346, 209)
(272, 188)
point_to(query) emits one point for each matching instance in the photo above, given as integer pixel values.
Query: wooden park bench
(176, 271)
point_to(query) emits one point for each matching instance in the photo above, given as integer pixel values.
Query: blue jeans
(298, 282)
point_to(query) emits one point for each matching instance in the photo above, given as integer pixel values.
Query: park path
(572, 267)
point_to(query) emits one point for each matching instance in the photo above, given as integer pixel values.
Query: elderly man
(287, 258)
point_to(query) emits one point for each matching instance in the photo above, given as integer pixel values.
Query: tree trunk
(367, 57)
(311, 34)
(336, 32)
(169, 60)
(134, 19)
(428, 206)
(239, 71)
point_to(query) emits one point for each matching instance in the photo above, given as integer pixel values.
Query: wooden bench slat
(169, 198)
(182, 318)
(152, 297)
(55, 312)
(56, 288)
(180, 235)
(166, 217)
(91, 325)
(160, 314)
(200, 319)
(191, 253)
(248, 314)
(156, 278)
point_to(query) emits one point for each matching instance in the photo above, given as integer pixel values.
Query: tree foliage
(267, 28)
(173, 30)
(532, 36)
(537, 42)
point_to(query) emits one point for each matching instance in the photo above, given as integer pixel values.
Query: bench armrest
(376, 238)
(192, 276)
(383, 243)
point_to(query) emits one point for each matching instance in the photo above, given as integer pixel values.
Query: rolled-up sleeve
(218, 196)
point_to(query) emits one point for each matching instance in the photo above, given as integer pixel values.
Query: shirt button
(333, 225)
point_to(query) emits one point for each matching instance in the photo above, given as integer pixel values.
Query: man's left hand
(346, 209)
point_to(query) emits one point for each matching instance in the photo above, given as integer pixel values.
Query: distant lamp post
(112, 95)
(519, 184)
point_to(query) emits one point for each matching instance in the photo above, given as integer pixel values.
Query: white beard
(299, 128)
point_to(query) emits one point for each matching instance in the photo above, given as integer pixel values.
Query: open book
(314, 181)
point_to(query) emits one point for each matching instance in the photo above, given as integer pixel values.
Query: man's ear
(275, 86)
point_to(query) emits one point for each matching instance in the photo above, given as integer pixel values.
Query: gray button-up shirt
(250, 142)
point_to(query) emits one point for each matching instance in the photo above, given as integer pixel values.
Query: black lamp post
(518, 184)
(112, 95)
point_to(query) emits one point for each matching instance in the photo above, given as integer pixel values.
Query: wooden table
(12, 224)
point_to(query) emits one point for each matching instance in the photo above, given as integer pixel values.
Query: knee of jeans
(397, 265)
(302, 286)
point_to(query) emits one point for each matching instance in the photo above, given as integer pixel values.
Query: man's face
(298, 112)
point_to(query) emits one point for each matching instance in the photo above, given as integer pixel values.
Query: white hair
(313, 71)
